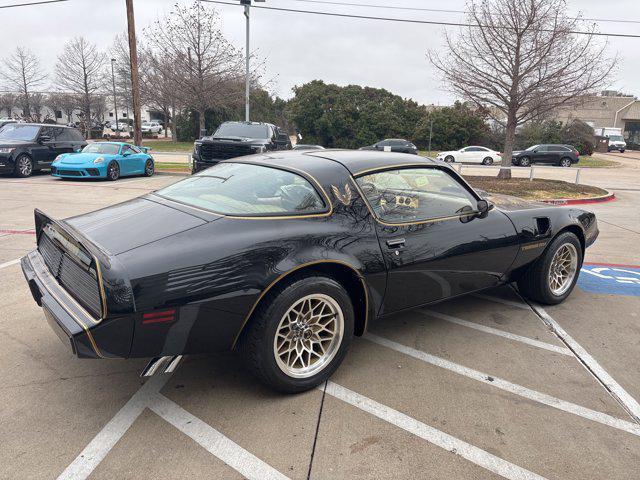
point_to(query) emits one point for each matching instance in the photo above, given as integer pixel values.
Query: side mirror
(78, 150)
(483, 207)
(44, 138)
(127, 153)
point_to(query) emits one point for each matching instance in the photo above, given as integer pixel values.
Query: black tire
(257, 342)
(23, 166)
(524, 162)
(149, 168)
(565, 162)
(622, 151)
(534, 284)
(449, 159)
(113, 171)
(487, 161)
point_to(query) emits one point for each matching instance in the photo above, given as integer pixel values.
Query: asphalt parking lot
(480, 387)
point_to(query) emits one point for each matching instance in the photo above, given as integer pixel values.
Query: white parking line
(105, 440)
(500, 333)
(504, 301)
(214, 442)
(432, 435)
(9, 263)
(505, 385)
(630, 403)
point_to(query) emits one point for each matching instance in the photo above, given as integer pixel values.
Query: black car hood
(15, 143)
(132, 224)
(508, 203)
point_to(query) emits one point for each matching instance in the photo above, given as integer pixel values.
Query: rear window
(248, 190)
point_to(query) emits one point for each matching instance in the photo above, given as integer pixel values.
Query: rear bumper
(68, 320)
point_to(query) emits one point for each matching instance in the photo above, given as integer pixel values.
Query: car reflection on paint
(285, 256)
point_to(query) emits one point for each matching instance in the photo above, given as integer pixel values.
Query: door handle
(395, 243)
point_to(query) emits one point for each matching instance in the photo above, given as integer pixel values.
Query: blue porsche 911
(110, 160)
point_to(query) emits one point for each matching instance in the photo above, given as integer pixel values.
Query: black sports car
(286, 256)
(398, 145)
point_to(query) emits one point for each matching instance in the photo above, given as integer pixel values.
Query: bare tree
(524, 58)
(207, 70)
(37, 102)
(7, 103)
(80, 70)
(22, 72)
(65, 103)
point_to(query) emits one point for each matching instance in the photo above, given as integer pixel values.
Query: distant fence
(531, 170)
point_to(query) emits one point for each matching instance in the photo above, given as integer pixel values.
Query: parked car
(302, 146)
(561, 155)
(151, 127)
(236, 139)
(110, 160)
(25, 147)
(393, 145)
(286, 257)
(473, 154)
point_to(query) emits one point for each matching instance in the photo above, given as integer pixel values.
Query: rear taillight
(162, 316)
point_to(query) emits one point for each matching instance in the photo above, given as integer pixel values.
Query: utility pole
(430, 132)
(115, 103)
(135, 84)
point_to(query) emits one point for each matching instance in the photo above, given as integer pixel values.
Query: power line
(32, 3)
(439, 10)
(407, 20)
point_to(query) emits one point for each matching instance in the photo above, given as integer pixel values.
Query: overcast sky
(299, 47)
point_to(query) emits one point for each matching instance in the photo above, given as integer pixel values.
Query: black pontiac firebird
(286, 256)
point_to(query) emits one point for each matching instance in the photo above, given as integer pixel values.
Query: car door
(131, 160)
(46, 150)
(434, 242)
(65, 141)
(465, 155)
(540, 154)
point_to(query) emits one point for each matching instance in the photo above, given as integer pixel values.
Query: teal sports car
(110, 160)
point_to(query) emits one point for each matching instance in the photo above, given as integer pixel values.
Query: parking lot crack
(315, 437)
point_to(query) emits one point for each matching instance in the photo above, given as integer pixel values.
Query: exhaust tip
(165, 364)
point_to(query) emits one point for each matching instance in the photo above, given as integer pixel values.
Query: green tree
(351, 116)
(453, 128)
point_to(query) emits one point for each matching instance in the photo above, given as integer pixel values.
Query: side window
(415, 194)
(126, 149)
(544, 148)
(66, 135)
(76, 135)
(48, 132)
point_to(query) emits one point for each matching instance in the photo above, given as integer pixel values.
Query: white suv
(151, 127)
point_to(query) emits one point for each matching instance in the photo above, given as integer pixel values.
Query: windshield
(532, 148)
(616, 138)
(105, 148)
(19, 132)
(242, 130)
(243, 189)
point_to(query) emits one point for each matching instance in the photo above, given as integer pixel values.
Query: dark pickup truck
(236, 139)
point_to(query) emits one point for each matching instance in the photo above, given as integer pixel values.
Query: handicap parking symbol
(610, 279)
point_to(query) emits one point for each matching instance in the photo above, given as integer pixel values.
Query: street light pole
(135, 85)
(247, 6)
(115, 103)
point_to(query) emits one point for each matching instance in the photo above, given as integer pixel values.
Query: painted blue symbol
(613, 280)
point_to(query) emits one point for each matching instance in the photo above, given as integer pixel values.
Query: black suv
(393, 145)
(25, 147)
(561, 155)
(235, 139)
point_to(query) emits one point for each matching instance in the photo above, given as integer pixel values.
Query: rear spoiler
(145, 149)
(84, 249)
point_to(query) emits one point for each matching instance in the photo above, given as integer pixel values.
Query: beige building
(610, 109)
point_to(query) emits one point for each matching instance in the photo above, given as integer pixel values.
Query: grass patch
(168, 146)
(593, 162)
(172, 167)
(537, 189)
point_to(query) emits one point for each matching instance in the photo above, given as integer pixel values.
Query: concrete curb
(608, 197)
